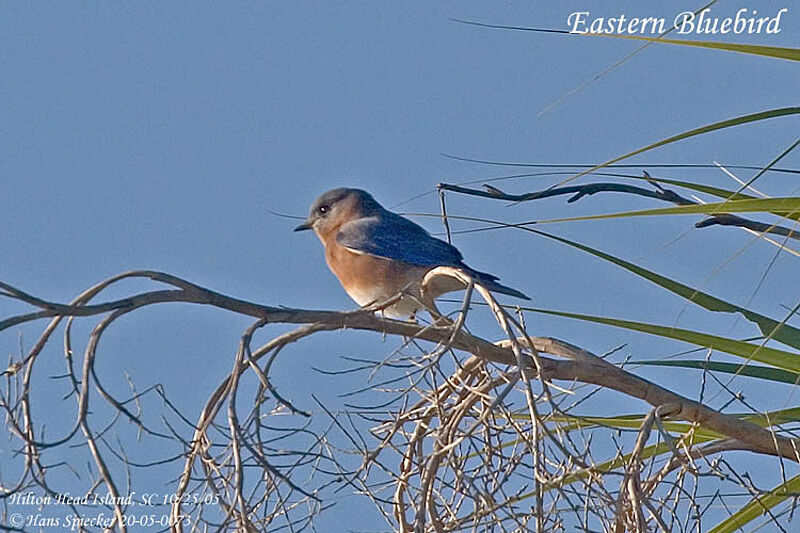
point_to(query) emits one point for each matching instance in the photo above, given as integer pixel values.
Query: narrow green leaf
(765, 420)
(777, 52)
(699, 187)
(759, 506)
(707, 189)
(622, 422)
(788, 207)
(764, 354)
(793, 54)
(744, 119)
(768, 419)
(754, 371)
(572, 422)
(772, 418)
(780, 332)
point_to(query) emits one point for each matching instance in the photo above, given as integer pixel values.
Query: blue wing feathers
(395, 237)
(391, 236)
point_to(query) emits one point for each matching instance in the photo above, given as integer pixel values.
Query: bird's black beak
(304, 226)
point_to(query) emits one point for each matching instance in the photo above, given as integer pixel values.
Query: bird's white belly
(406, 307)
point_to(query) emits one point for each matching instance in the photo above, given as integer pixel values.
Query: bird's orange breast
(368, 278)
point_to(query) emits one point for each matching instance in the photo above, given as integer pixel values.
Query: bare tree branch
(660, 193)
(456, 465)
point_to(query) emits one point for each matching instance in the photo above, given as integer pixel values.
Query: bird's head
(336, 207)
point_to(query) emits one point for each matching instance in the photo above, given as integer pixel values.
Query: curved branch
(661, 193)
(581, 365)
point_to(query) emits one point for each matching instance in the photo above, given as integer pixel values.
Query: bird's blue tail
(490, 282)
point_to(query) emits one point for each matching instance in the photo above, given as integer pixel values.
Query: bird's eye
(323, 209)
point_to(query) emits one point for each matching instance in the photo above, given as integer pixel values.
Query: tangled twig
(464, 462)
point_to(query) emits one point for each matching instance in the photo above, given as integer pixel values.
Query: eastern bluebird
(376, 254)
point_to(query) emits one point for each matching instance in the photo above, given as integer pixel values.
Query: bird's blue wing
(394, 237)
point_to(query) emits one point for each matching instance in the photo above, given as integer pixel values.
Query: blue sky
(164, 136)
